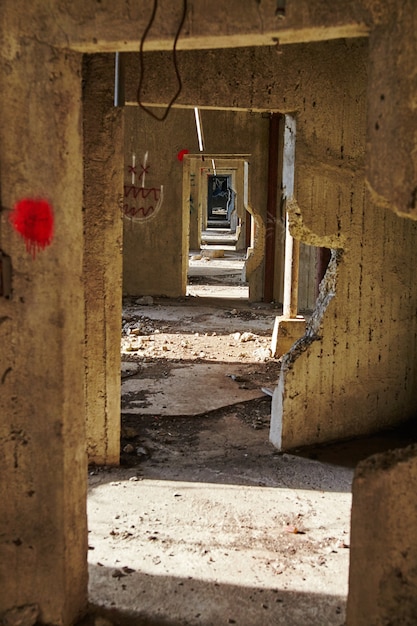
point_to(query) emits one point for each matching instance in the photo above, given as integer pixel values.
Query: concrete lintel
(89, 28)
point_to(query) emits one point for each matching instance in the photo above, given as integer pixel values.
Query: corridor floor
(205, 522)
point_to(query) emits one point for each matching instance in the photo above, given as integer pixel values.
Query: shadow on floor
(143, 599)
(350, 452)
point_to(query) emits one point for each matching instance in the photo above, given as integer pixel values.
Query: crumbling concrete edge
(384, 461)
(381, 202)
(383, 547)
(301, 232)
(327, 292)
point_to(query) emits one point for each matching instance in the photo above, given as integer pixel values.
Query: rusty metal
(271, 207)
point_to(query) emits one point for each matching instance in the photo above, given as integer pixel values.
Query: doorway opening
(216, 187)
(220, 201)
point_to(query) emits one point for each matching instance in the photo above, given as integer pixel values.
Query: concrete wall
(155, 253)
(383, 544)
(355, 370)
(43, 523)
(103, 234)
(347, 358)
(341, 381)
(154, 260)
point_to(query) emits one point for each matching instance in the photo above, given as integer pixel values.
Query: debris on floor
(206, 523)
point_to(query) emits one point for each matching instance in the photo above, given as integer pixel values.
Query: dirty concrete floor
(205, 523)
(221, 276)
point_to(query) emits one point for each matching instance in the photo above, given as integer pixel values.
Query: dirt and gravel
(205, 522)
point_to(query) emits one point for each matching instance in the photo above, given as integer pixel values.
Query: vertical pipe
(292, 247)
(199, 127)
(119, 80)
(271, 208)
(248, 229)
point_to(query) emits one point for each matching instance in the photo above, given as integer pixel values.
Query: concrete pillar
(191, 199)
(391, 107)
(103, 228)
(43, 522)
(383, 546)
(289, 327)
(291, 268)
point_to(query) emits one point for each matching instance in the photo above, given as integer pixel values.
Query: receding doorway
(220, 201)
(216, 187)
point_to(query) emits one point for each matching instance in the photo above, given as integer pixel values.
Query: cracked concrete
(206, 523)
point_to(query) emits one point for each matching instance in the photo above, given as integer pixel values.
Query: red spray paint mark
(33, 219)
(181, 154)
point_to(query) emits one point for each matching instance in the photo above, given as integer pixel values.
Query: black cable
(174, 56)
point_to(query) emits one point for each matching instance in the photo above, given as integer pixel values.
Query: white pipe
(199, 128)
(133, 168)
(145, 160)
(117, 80)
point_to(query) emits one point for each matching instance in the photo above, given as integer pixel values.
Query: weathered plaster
(156, 250)
(42, 326)
(383, 543)
(95, 27)
(43, 525)
(103, 235)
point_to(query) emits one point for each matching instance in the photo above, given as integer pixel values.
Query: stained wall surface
(42, 432)
(155, 255)
(43, 523)
(103, 240)
(343, 383)
(383, 541)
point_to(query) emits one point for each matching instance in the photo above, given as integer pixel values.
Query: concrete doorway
(216, 195)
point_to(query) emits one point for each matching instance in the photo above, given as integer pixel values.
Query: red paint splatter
(181, 154)
(33, 219)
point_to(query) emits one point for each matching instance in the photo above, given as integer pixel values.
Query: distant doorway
(220, 201)
(215, 194)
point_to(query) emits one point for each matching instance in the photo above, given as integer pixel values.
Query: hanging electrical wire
(174, 57)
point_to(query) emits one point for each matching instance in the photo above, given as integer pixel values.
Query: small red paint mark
(181, 154)
(33, 219)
